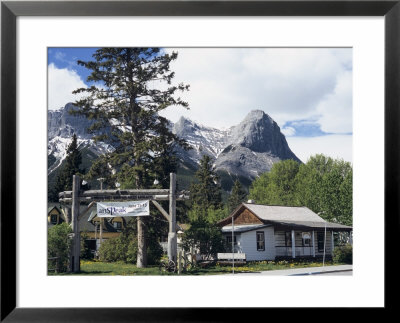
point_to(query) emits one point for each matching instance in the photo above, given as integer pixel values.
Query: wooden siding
(246, 217)
(281, 250)
(248, 245)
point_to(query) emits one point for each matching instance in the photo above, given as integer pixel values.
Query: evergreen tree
(206, 192)
(133, 86)
(206, 209)
(238, 195)
(71, 166)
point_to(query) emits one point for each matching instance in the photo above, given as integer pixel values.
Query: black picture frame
(10, 10)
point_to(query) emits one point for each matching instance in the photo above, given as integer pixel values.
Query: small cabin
(54, 215)
(265, 232)
(96, 229)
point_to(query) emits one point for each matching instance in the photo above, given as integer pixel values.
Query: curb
(322, 272)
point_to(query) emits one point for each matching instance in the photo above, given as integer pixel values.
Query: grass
(99, 268)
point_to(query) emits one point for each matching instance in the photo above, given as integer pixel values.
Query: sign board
(129, 208)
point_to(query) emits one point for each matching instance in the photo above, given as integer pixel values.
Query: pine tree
(238, 195)
(206, 192)
(206, 210)
(133, 86)
(71, 166)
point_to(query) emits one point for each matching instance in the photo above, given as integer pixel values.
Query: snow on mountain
(61, 125)
(247, 149)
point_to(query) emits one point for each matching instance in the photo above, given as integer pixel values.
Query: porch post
(351, 237)
(313, 244)
(293, 246)
(333, 242)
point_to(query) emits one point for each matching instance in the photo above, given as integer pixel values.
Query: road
(338, 273)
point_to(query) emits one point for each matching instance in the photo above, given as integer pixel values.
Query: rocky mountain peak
(247, 149)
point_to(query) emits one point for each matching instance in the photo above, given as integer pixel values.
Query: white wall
(248, 243)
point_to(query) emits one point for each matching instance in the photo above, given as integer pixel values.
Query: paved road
(338, 273)
(341, 270)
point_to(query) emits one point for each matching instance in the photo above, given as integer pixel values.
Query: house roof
(51, 206)
(286, 216)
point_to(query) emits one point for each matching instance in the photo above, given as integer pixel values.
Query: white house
(265, 232)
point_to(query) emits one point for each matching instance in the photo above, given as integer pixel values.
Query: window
(118, 225)
(320, 239)
(53, 219)
(306, 239)
(260, 241)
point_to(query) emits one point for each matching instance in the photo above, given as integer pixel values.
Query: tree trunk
(142, 248)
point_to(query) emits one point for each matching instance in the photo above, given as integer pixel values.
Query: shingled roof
(284, 213)
(286, 216)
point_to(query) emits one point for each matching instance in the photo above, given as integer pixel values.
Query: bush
(125, 248)
(59, 245)
(204, 237)
(114, 249)
(343, 254)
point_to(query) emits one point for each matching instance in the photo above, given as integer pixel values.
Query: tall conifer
(71, 166)
(132, 86)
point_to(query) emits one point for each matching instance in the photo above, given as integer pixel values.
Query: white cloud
(336, 108)
(335, 146)
(287, 83)
(61, 83)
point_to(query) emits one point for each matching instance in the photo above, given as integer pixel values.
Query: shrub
(125, 248)
(59, 245)
(343, 254)
(113, 249)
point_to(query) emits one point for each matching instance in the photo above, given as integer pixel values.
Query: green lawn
(123, 269)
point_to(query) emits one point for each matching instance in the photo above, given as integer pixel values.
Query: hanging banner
(131, 208)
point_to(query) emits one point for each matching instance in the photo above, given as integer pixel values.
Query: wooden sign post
(76, 196)
(76, 247)
(172, 238)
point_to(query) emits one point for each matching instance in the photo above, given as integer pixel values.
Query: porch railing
(283, 251)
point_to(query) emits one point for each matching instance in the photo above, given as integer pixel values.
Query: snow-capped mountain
(248, 149)
(61, 125)
(245, 150)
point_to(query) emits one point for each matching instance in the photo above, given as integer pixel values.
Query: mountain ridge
(245, 150)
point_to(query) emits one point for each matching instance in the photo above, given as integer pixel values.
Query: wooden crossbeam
(161, 209)
(93, 193)
(180, 196)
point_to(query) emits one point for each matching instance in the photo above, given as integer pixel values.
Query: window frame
(259, 241)
(53, 216)
(303, 240)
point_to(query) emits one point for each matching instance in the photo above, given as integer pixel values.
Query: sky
(307, 91)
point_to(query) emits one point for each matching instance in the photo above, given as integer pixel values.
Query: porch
(308, 244)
